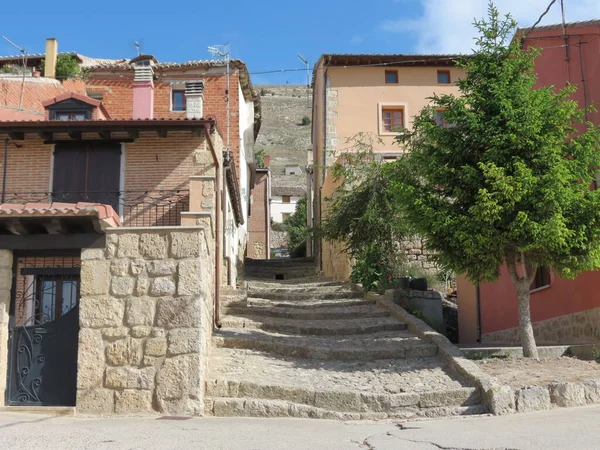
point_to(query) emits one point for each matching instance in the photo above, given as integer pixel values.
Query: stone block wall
(6, 258)
(580, 328)
(146, 313)
(417, 255)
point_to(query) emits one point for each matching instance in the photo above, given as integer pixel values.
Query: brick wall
(118, 100)
(37, 90)
(151, 164)
(258, 247)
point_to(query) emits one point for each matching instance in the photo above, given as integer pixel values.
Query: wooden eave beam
(16, 135)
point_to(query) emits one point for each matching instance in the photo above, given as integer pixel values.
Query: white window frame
(383, 105)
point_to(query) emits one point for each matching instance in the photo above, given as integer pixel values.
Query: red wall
(499, 299)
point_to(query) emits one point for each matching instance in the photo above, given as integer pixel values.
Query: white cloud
(446, 26)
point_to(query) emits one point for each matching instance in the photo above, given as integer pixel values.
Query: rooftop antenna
(136, 44)
(24, 54)
(224, 51)
(305, 62)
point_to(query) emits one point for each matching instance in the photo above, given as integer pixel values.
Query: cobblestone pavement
(381, 376)
(322, 350)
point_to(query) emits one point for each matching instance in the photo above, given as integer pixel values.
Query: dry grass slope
(282, 136)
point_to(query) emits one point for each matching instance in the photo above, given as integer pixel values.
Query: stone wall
(417, 255)
(579, 328)
(146, 314)
(5, 286)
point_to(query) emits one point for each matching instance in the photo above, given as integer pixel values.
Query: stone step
(278, 261)
(380, 345)
(294, 296)
(344, 400)
(330, 313)
(283, 275)
(251, 407)
(292, 282)
(335, 327)
(311, 283)
(299, 288)
(308, 305)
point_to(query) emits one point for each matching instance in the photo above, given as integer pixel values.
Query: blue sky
(266, 34)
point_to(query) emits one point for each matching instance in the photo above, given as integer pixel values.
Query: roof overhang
(40, 226)
(18, 130)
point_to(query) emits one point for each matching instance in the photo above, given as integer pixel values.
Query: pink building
(563, 311)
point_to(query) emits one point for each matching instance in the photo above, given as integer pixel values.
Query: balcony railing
(136, 208)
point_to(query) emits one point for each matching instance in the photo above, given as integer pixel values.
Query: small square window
(391, 77)
(443, 77)
(286, 199)
(392, 119)
(542, 278)
(178, 100)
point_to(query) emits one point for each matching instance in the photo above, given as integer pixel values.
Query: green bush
(299, 251)
(66, 67)
(305, 121)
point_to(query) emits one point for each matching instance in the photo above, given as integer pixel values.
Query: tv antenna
(136, 44)
(307, 64)
(24, 55)
(224, 52)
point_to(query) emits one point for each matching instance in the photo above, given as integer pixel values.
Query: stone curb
(498, 397)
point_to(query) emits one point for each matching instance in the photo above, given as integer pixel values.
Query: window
(542, 278)
(178, 100)
(285, 199)
(443, 77)
(391, 77)
(70, 115)
(440, 119)
(392, 119)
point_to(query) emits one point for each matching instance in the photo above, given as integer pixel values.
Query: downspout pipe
(478, 302)
(4, 170)
(219, 234)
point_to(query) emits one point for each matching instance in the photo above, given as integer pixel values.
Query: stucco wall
(146, 314)
(278, 208)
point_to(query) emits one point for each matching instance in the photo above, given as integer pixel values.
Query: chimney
(194, 99)
(143, 89)
(51, 56)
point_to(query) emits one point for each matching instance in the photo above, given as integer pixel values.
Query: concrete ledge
(498, 397)
(554, 351)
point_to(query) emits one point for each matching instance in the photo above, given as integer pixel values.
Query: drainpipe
(478, 301)
(219, 234)
(4, 170)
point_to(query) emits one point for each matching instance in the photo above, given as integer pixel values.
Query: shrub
(305, 121)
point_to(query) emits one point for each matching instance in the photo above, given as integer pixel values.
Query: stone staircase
(303, 347)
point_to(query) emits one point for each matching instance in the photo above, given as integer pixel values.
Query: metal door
(43, 331)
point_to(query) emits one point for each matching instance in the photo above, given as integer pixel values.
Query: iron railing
(136, 208)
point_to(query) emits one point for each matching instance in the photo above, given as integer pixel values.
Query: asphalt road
(558, 429)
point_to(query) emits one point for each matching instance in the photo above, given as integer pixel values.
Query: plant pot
(418, 284)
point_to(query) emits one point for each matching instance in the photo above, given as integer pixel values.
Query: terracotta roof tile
(105, 213)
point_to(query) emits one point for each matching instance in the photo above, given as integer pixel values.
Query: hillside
(281, 135)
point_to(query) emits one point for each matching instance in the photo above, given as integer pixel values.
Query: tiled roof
(104, 213)
(74, 95)
(84, 60)
(556, 26)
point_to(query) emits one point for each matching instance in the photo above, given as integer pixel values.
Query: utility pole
(305, 62)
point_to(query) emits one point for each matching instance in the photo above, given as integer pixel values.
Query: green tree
(362, 213)
(297, 228)
(508, 181)
(259, 157)
(66, 66)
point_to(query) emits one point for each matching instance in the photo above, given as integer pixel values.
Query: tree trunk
(522, 283)
(525, 327)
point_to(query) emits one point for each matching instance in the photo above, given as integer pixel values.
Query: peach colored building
(372, 94)
(563, 311)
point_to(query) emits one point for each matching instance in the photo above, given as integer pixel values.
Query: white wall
(278, 207)
(246, 119)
